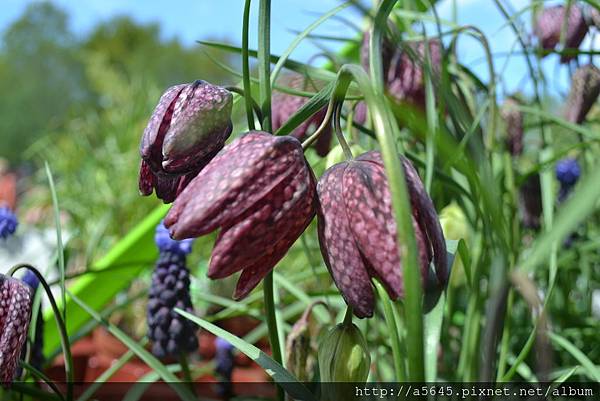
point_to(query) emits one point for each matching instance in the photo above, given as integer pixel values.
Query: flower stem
(246, 69)
(338, 132)
(187, 375)
(272, 325)
(348, 316)
(253, 105)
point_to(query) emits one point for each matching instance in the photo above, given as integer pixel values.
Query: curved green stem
(64, 338)
(249, 101)
(269, 300)
(253, 105)
(339, 134)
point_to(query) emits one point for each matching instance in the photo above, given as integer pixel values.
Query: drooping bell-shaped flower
(530, 195)
(406, 76)
(8, 222)
(284, 105)
(549, 26)
(15, 313)
(513, 118)
(188, 127)
(260, 192)
(584, 91)
(358, 233)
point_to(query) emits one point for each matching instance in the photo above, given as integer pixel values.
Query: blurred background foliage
(81, 104)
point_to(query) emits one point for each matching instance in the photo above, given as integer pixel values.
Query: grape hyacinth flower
(285, 105)
(36, 357)
(188, 127)
(513, 118)
(357, 231)
(584, 91)
(224, 367)
(8, 222)
(15, 313)
(261, 192)
(549, 26)
(171, 334)
(567, 174)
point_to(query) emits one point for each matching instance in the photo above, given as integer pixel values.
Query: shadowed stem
(338, 132)
(64, 338)
(187, 375)
(253, 105)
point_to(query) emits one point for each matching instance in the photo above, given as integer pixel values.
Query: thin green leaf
(285, 379)
(591, 370)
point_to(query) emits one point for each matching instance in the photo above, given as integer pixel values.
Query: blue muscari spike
(8, 222)
(224, 367)
(568, 172)
(165, 243)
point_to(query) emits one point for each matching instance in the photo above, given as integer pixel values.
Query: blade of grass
(274, 369)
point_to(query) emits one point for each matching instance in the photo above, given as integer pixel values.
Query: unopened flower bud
(188, 127)
(343, 357)
(584, 91)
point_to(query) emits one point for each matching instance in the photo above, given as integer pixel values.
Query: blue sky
(190, 20)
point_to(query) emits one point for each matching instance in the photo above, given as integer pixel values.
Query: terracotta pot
(80, 351)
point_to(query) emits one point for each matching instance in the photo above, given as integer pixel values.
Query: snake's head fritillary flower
(285, 105)
(15, 313)
(406, 76)
(188, 127)
(260, 192)
(357, 231)
(584, 91)
(513, 118)
(549, 26)
(530, 195)
(8, 222)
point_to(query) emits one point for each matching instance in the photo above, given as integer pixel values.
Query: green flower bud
(343, 357)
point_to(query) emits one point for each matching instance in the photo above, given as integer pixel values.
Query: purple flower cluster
(8, 222)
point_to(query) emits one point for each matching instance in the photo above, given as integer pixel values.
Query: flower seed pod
(188, 127)
(8, 222)
(301, 347)
(550, 23)
(15, 313)
(285, 105)
(343, 357)
(357, 231)
(171, 334)
(513, 118)
(261, 192)
(406, 78)
(585, 88)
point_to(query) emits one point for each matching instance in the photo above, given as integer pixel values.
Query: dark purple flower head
(165, 243)
(8, 222)
(188, 127)
(285, 105)
(584, 91)
(225, 363)
(260, 192)
(550, 23)
(406, 77)
(513, 118)
(530, 195)
(357, 230)
(171, 334)
(15, 313)
(568, 172)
